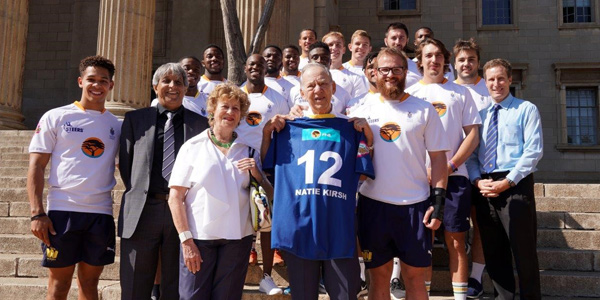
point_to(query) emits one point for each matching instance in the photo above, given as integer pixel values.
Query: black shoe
(155, 292)
(475, 289)
(364, 288)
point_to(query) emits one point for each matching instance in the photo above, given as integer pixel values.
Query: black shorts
(457, 210)
(86, 237)
(386, 231)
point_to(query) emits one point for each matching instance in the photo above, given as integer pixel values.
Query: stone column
(14, 18)
(249, 13)
(126, 36)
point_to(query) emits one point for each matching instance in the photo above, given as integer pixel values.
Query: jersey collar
(78, 104)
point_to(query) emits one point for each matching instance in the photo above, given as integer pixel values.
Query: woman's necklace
(219, 143)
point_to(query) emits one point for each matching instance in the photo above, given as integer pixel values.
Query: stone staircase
(568, 240)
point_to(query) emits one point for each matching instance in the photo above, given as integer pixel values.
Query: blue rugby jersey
(317, 164)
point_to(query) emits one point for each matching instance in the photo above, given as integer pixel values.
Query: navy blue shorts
(86, 237)
(457, 210)
(386, 231)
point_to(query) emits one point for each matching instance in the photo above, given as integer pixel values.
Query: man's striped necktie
(168, 147)
(491, 144)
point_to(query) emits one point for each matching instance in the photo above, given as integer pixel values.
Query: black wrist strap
(38, 216)
(438, 199)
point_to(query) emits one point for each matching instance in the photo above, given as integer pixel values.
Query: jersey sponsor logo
(390, 132)
(69, 128)
(363, 149)
(440, 107)
(253, 118)
(93, 147)
(51, 254)
(323, 134)
(203, 112)
(371, 121)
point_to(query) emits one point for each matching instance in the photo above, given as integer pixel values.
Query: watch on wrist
(184, 236)
(510, 182)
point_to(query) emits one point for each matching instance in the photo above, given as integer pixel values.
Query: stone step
(582, 205)
(19, 194)
(569, 238)
(13, 148)
(21, 182)
(14, 163)
(13, 171)
(568, 220)
(571, 190)
(15, 156)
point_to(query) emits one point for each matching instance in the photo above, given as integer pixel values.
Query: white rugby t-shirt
(360, 100)
(263, 107)
(456, 109)
(352, 83)
(404, 131)
(479, 93)
(83, 144)
(339, 101)
(413, 75)
(206, 85)
(358, 70)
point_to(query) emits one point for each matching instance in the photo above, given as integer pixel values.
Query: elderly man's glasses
(394, 70)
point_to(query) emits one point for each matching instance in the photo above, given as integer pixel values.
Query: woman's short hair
(169, 68)
(226, 91)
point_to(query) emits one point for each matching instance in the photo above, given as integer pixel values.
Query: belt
(159, 196)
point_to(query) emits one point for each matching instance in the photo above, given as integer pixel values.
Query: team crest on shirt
(112, 134)
(269, 107)
(390, 132)
(440, 107)
(253, 118)
(38, 128)
(363, 149)
(69, 128)
(203, 112)
(93, 147)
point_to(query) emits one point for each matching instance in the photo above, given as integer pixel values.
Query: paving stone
(550, 219)
(566, 259)
(4, 209)
(8, 265)
(18, 243)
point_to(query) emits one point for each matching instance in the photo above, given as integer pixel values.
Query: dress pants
(508, 227)
(155, 234)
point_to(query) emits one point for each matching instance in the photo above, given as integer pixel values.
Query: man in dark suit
(150, 141)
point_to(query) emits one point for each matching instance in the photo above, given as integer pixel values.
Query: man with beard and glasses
(213, 61)
(265, 103)
(273, 79)
(319, 53)
(397, 211)
(194, 99)
(461, 122)
(291, 60)
(466, 60)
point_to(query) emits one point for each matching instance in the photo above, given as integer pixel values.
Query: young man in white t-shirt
(81, 139)
(466, 60)
(372, 95)
(461, 122)
(396, 36)
(213, 61)
(265, 103)
(273, 78)
(360, 46)
(290, 62)
(307, 37)
(319, 53)
(395, 217)
(344, 78)
(420, 35)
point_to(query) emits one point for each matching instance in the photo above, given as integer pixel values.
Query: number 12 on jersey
(327, 177)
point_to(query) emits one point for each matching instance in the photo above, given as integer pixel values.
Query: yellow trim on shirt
(78, 104)
(322, 116)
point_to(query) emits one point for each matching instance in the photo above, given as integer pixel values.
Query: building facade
(552, 44)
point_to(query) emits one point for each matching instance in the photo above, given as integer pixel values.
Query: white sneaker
(269, 287)
(397, 289)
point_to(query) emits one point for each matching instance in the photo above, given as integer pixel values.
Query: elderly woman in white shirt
(209, 201)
